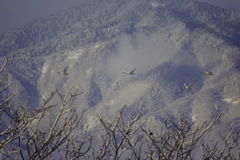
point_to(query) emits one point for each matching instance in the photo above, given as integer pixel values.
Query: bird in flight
(188, 86)
(129, 72)
(207, 73)
(64, 72)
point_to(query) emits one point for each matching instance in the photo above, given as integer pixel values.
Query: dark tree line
(50, 131)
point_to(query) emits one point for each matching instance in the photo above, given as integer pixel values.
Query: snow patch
(97, 45)
(92, 122)
(89, 71)
(44, 69)
(230, 100)
(112, 103)
(236, 102)
(157, 4)
(194, 118)
(75, 55)
(130, 93)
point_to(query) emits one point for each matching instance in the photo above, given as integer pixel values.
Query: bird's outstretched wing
(65, 70)
(129, 72)
(133, 70)
(188, 86)
(207, 73)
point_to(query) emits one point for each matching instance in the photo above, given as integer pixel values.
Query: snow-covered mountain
(169, 42)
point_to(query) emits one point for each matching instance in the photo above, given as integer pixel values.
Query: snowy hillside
(170, 43)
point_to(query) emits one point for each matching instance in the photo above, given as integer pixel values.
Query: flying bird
(129, 72)
(188, 86)
(207, 73)
(64, 72)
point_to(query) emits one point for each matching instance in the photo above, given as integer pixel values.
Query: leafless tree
(43, 132)
(13, 120)
(43, 139)
(121, 138)
(178, 141)
(228, 150)
(126, 138)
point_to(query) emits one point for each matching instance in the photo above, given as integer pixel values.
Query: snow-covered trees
(51, 131)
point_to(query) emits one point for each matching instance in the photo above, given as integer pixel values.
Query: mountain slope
(170, 43)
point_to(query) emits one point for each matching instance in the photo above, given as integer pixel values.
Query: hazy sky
(14, 13)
